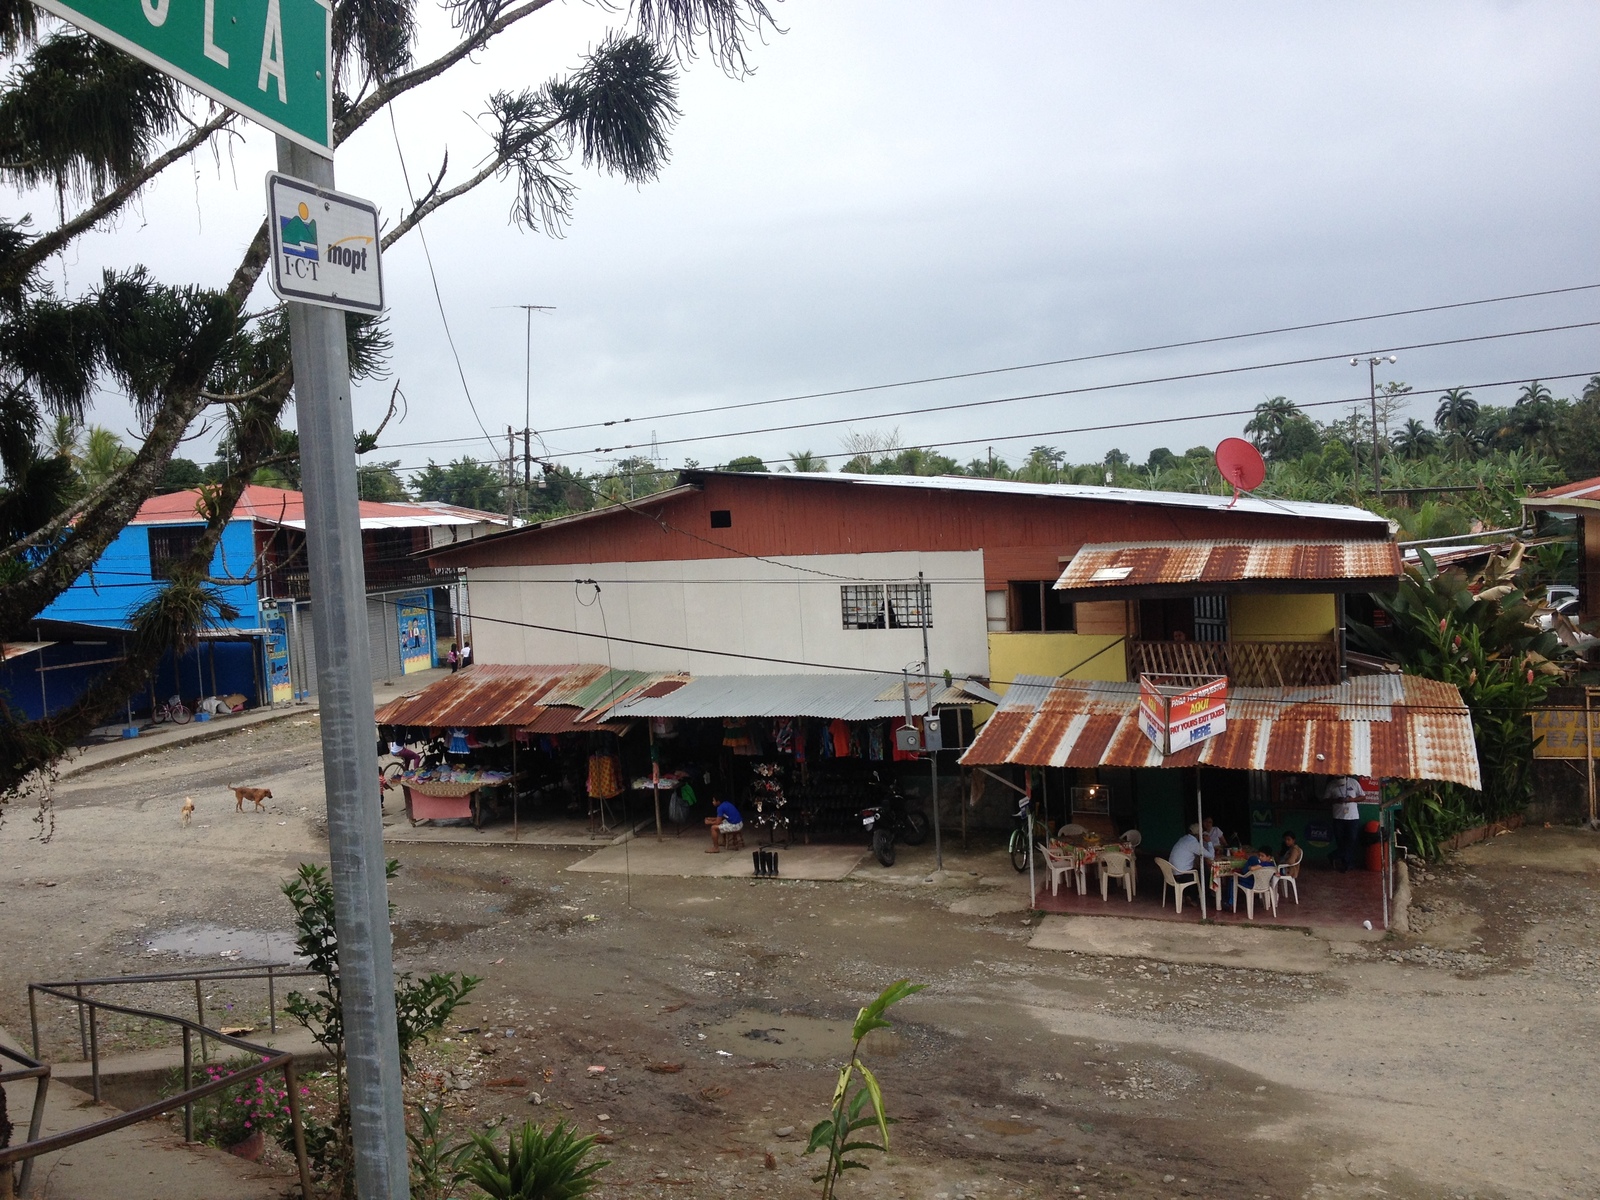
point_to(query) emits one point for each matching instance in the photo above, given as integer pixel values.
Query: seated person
(1213, 837)
(1187, 851)
(1290, 856)
(1259, 857)
(725, 819)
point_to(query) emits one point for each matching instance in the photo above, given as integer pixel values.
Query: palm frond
(724, 26)
(80, 115)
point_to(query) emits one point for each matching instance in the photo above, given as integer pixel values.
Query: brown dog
(188, 810)
(255, 795)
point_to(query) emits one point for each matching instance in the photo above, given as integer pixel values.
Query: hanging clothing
(783, 735)
(858, 746)
(605, 776)
(875, 742)
(839, 732)
(458, 741)
(736, 736)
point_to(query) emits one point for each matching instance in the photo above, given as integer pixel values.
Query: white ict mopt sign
(325, 247)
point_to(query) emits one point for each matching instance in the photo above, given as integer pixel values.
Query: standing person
(1342, 791)
(726, 819)
(466, 654)
(453, 660)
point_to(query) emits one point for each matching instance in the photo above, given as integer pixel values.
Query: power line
(437, 296)
(1083, 358)
(1015, 437)
(1083, 390)
(887, 674)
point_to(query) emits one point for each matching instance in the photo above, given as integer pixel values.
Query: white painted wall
(746, 606)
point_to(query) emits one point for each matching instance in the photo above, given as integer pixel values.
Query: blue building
(265, 652)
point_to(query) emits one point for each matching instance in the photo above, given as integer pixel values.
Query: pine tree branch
(30, 256)
(437, 200)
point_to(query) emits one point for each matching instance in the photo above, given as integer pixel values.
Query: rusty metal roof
(1388, 726)
(852, 696)
(1105, 566)
(487, 694)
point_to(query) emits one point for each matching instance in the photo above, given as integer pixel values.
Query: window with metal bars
(910, 606)
(168, 544)
(886, 606)
(1210, 618)
(862, 605)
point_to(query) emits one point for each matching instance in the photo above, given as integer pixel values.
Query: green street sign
(268, 59)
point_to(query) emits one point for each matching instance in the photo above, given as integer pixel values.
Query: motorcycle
(889, 821)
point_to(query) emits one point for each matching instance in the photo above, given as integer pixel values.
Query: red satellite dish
(1241, 465)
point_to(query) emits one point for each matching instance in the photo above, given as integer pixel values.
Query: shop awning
(845, 696)
(1387, 726)
(1154, 569)
(487, 694)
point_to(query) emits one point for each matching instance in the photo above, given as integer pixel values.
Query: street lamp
(1372, 394)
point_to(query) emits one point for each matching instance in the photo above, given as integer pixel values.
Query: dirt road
(1456, 1061)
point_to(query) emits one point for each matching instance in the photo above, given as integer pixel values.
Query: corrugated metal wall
(383, 642)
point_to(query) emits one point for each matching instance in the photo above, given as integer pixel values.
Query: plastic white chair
(1115, 865)
(1132, 839)
(1264, 889)
(1059, 863)
(1288, 878)
(1072, 831)
(1169, 879)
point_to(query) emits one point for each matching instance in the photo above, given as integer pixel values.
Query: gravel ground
(1453, 1061)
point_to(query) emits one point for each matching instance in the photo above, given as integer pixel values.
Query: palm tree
(101, 455)
(1271, 417)
(1534, 417)
(1414, 439)
(1457, 412)
(804, 462)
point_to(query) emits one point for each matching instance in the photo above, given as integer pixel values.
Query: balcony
(1246, 664)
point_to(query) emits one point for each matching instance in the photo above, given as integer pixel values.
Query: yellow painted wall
(1303, 618)
(1013, 654)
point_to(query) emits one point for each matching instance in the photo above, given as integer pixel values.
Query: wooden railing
(1247, 664)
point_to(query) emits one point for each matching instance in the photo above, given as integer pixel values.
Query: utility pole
(925, 602)
(1372, 395)
(511, 475)
(344, 680)
(527, 461)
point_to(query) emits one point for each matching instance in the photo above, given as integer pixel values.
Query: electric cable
(438, 298)
(1082, 358)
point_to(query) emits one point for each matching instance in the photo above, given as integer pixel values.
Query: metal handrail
(269, 1059)
(40, 1073)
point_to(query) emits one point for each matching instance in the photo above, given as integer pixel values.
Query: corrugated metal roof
(1136, 564)
(491, 694)
(280, 506)
(862, 696)
(562, 718)
(1390, 726)
(1076, 491)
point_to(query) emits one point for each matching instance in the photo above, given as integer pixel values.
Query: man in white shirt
(1211, 835)
(1344, 791)
(1187, 851)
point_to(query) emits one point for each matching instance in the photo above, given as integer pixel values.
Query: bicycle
(1019, 846)
(173, 710)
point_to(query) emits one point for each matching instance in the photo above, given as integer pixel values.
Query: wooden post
(1588, 746)
(655, 774)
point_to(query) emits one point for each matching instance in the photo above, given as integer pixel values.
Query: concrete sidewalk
(142, 1162)
(159, 737)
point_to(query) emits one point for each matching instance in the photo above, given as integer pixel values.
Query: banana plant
(848, 1116)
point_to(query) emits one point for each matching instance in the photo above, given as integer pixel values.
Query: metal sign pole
(344, 680)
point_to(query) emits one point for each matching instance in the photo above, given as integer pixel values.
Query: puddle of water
(217, 941)
(752, 1033)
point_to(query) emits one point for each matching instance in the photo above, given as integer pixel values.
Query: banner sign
(268, 59)
(1179, 711)
(1560, 731)
(416, 634)
(279, 688)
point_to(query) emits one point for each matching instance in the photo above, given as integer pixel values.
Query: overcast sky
(919, 187)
